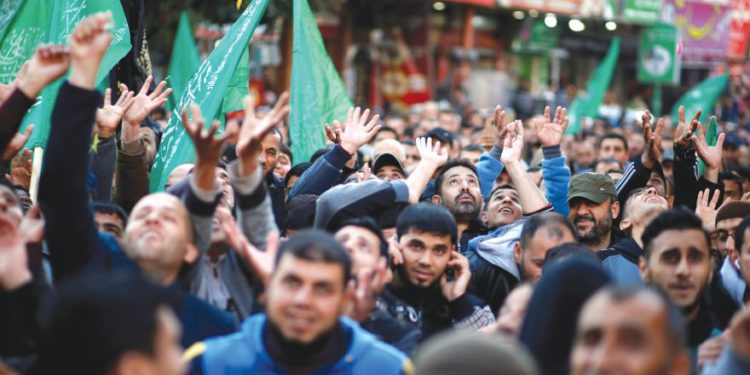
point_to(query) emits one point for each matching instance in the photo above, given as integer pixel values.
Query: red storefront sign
(739, 31)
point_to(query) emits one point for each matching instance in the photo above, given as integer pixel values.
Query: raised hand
(18, 141)
(365, 174)
(513, 143)
(207, 145)
(254, 129)
(684, 132)
(48, 64)
(431, 155)
(550, 131)
(706, 210)
(453, 289)
(357, 131)
(739, 333)
(395, 251)
(261, 263)
(14, 269)
(88, 43)
(500, 126)
(145, 103)
(109, 115)
(365, 289)
(20, 170)
(652, 151)
(711, 155)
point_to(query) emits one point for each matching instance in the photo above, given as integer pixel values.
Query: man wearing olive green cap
(593, 208)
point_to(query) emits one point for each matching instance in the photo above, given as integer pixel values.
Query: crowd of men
(401, 247)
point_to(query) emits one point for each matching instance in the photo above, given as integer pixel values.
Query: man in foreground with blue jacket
(302, 331)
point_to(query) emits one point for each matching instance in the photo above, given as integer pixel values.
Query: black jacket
(489, 282)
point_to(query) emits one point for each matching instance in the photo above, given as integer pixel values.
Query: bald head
(390, 146)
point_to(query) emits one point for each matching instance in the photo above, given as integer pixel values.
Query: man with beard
(621, 260)
(457, 189)
(303, 330)
(429, 289)
(676, 259)
(593, 208)
(630, 331)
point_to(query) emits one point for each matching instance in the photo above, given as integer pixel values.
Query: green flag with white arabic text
(65, 16)
(207, 88)
(703, 96)
(318, 95)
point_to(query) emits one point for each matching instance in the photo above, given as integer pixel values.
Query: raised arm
(431, 158)
(489, 165)
(555, 172)
(532, 198)
(71, 234)
(326, 171)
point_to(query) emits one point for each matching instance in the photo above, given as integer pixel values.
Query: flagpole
(656, 100)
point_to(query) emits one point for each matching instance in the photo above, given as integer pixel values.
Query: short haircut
(317, 246)
(366, 222)
(498, 187)
(288, 151)
(607, 161)
(301, 212)
(453, 163)
(739, 234)
(565, 251)
(92, 321)
(296, 170)
(389, 129)
(675, 329)
(428, 218)
(474, 148)
(614, 136)
(724, 176)
(553, 222)
(111, 209)
(676, 219)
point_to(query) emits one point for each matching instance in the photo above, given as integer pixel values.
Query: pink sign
(704, 27)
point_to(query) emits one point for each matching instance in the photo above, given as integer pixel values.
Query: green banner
(184, 62)
(703, 96)
(657, 55)
(65, 16)
(25, 26)
(207, 88)
(536, 37)
(8, 10)
(641, 11)
(588, 106)
(318, 95)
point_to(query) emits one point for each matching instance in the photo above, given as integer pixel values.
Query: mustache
(465, 195)
(580, 218)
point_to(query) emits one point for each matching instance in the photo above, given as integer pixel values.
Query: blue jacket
(244, 353)
(322, 175)
(555, 173)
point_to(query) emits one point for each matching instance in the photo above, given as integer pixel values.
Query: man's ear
(643, 268)
(517, 252)
(436, 199)
(626, 224)
(615, 209)
(191, 254)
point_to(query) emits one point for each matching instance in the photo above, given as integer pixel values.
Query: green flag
(318, 94)
(588, 106)
(703, 97)
(24, 25)
(184, 62)
(712, 135)
(206, 88)
(239, 86)
(65, 16)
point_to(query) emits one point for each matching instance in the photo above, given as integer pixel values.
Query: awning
(484, 3)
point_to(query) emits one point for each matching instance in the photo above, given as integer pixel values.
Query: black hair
(552, 221)
(93, 321)
(368, 223)
(317, 246)
(320, 152)
(675, 219)
(724, 176)
(498, 187)
(565, 251)
(739, 234)
(111, 209)
(608, 161)
(389, 129)
(426, 217)
(296, 170)
(675, 328)
(284, 149)
(453, 163)
(301, 212)
(473, 147)
(614, 136)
